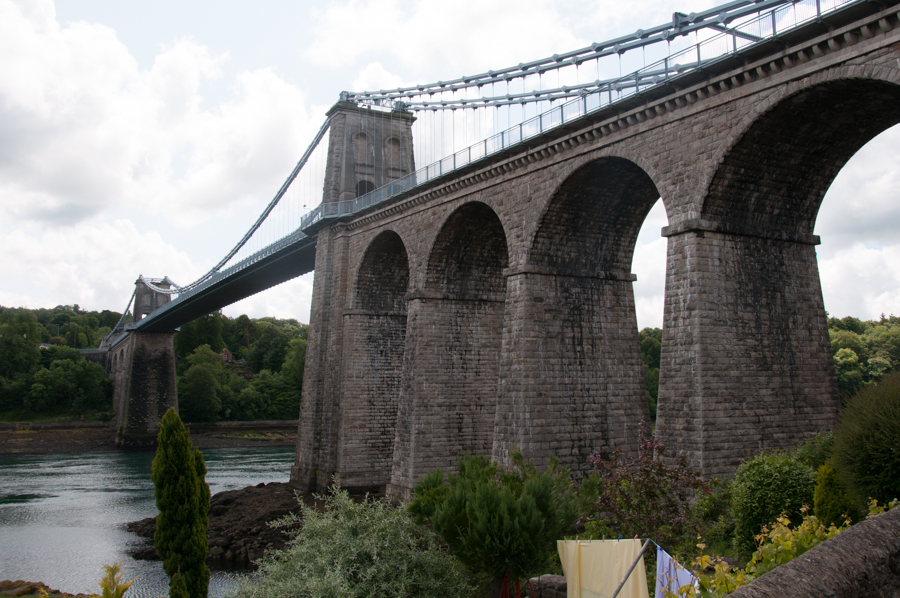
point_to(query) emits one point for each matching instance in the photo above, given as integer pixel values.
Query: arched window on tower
(393, 155)
(363, 187)
(361, 152)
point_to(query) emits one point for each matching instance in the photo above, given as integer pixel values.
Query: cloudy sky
(144, 138)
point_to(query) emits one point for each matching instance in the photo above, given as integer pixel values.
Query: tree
(182, 498)
(202, 331)
(502, 524)
(867, 441)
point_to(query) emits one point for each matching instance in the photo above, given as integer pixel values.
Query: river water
(62, 516)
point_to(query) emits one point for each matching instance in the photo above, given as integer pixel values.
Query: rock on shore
(31, 589)
(238, 532)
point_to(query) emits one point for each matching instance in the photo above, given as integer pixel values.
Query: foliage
(764, 487)
(206, 330)
(357, 549)
(502, 524)
(863, 351)
(651, 346)
(776, 546)
(875, 509)
(867, 440)
(112, 586)
(815, 451)
(177, 586)
(182, 498)
(646, 496)
(833, 501)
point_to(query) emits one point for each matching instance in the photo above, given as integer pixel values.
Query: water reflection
(61, 516)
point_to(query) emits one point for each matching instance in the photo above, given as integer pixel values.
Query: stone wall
(148, 388)
(520, 327)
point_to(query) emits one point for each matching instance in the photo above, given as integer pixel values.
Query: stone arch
(572, 382)
(364, 186)
(374, 341)
(383, 275)
(746, 297)
(803, 134)
(450, 374)
(469, 254)
(593, 218)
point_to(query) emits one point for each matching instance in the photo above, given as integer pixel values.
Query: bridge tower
(142, 365)
(350, 387)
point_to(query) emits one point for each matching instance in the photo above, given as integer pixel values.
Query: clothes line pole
(633, 565)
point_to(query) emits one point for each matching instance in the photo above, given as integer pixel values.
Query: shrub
(647, 496)
(816, 450)
(502, 524)
(776, 546)
(182, 498)
(833, 501)
(867, 440)
(351, 550)
(112, 586)
(763, 488)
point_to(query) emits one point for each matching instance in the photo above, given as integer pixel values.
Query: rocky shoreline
(238, 532)
(76, 437)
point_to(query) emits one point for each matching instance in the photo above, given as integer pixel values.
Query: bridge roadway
(294, 255)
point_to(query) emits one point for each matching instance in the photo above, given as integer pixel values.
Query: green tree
(206, 330)
(198, 387)
(182, 498)
(269, 352)
(867, 441)
(849, 373)
(502, 524)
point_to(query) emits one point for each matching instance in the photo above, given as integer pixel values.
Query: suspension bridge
(483, 301)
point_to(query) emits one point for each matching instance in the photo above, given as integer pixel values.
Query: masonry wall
(571, 381)
(449, 394)
(741, 162)
(149, 389)
(746, 350)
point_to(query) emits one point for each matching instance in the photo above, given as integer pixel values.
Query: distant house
(227, 357)
(46, 346)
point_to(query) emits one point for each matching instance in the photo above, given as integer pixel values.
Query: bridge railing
(730, 41)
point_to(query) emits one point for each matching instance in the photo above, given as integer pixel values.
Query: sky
(145, 138)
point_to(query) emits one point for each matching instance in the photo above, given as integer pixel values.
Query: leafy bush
(647, 496)
(776, 546)
(502, 524)
(763, 488)
(355, 549)
(112, 586)
(833, 501)
(867, 440)
(816, 450)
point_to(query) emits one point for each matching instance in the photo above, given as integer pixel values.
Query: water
(62, 516)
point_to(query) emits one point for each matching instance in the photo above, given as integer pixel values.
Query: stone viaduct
(494, 309)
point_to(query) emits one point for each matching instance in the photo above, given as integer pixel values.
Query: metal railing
(764, 27)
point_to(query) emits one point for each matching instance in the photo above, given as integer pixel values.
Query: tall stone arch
(451, 362)
(571, 379)
(374, 338)
(743, 296)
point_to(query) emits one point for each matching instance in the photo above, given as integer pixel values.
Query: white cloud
(862, 282)
(443, 37)
(93, 264)
(85, 129)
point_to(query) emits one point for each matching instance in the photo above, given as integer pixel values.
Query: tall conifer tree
(182, 497)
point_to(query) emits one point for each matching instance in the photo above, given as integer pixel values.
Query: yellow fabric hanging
(594, 568)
